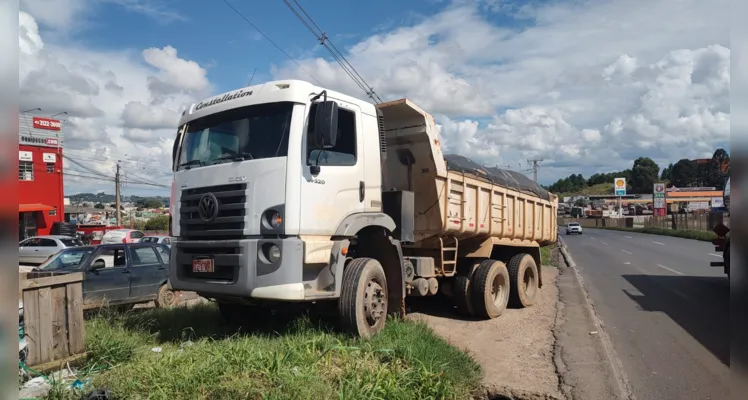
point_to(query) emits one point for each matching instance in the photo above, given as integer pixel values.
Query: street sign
(659, 202)
(619, 184)
(658, 197)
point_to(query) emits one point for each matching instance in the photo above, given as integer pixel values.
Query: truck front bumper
(242, 268)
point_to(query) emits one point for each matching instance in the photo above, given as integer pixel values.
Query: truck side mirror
(326, 123)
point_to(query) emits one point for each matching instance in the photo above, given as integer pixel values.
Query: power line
(270, 40)
(325, 41)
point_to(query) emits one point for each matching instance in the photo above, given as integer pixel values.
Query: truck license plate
(203, 265)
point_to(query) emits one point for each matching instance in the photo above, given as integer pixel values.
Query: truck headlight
(272, 219)
(271, 253)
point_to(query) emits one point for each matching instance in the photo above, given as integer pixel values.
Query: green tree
(667, 173)
(716, 174)
(684, 173)
(99, 206)
(158, 223)
(643, 175)
(149, 203)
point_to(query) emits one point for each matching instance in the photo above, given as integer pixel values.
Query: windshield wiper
(233, 157)
(190, 163)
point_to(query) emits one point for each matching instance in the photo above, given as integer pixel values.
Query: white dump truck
(286, 191)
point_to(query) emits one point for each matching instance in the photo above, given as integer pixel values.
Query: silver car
(37, 249)
(573, 227)
(157, 239)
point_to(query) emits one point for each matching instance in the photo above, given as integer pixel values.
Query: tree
(718, 168)
(643, 175)
(684, 173)
(149, 203)
(99, 206)
(667, 173)
(158, 223)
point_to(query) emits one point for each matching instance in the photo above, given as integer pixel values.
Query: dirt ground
(516, 350)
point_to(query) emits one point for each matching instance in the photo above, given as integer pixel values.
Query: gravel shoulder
(515, 350)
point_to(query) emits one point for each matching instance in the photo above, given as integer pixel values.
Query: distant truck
(722, 242)
(289, 192)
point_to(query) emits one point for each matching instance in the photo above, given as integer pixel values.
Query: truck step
(717, 264)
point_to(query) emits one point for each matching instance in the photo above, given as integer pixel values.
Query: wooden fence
(53, 318)
(692, 222)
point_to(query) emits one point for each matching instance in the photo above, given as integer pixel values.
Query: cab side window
(344, 152)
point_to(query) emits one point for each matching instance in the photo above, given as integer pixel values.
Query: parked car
(573, 227)
(157, 239)
(118, 273)
(122, 236)
(37, 249)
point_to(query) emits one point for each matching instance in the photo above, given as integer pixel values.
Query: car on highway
(124, 273)
(573, 227)
(37, 249)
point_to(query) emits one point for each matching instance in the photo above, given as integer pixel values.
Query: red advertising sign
(47, 124)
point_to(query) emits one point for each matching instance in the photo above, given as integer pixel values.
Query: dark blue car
(116, 273)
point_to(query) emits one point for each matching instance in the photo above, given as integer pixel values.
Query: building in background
(40, 186)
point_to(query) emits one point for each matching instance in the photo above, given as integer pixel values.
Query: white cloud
(121, 105)
(586, 85)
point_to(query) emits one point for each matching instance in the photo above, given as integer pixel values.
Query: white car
(157, 239)
(116, 236)
(573, 227)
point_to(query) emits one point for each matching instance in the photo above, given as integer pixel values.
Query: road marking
(592, 238)
(716, 255)
(627, 262)
(627, 237)
(670, 269)
(662, 244)
(603, 243)
(627, 252)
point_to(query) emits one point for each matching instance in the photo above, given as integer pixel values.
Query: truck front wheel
(363, 297)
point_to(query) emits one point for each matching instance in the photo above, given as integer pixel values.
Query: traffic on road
(665, 310)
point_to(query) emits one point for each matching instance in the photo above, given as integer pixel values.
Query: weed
(202, 358)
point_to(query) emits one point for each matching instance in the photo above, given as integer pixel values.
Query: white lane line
(592, 238)
(627, 237)
(661, 244)
(670, 269)
(603, 243)
(716, 255)
(627, 252)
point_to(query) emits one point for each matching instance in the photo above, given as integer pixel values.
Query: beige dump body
(452, 203)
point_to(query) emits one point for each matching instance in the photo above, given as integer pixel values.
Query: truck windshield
(246, 133)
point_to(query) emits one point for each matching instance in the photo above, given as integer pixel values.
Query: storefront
(40, 179)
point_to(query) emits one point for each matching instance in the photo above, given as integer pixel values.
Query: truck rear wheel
(166, 297)
(461, 288)
(523, 275)
(363, 298)
(490, 289)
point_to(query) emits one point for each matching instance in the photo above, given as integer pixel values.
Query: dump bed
(455, 196)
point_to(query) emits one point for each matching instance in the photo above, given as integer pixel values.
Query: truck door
(338, 189)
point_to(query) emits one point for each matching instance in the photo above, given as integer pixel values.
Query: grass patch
(706, 236)
(300, 358)
(546, 255)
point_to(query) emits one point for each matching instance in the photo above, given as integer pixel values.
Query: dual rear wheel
(487, 287)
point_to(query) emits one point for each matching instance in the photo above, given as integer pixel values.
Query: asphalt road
(665, 309)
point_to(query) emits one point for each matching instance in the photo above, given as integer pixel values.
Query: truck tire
(461, 288)
(523, 275)
(490, 289)
(363, 298)
(166, 297)
(232, 314)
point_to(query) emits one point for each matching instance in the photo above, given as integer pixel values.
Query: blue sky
(568, 81)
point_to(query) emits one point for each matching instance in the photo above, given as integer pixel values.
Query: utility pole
(116, 195)
(535, 164)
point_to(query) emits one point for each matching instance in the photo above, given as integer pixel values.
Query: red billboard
(47, 124)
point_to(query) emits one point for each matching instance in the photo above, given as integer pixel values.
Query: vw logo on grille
(208, 207)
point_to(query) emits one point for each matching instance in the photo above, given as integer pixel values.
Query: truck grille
(228, 224)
